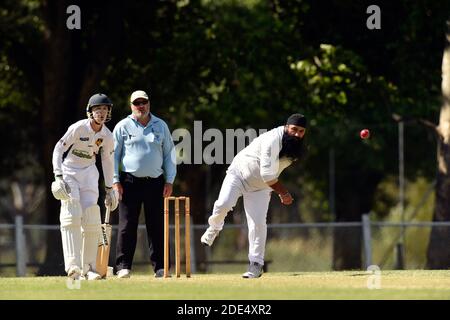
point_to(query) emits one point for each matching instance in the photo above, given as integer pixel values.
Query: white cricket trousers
(83, 184)
(80, 218)
(256, 204)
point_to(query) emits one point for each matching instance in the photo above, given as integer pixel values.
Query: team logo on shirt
(81, 154)
(99, 142)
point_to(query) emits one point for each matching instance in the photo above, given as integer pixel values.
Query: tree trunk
(55, 115)
(438, 256)
(192, 183)
(71, 75)
(347, 242)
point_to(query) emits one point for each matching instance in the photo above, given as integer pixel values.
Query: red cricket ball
(364, 134)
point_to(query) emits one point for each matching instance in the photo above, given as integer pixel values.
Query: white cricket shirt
(84, 144)
(259, 162)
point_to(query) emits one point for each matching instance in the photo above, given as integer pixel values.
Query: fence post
(193, 259)
(399, 256)
(21, 267)
(367, 237)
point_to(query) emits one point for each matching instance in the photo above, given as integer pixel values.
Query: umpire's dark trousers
(138, 191)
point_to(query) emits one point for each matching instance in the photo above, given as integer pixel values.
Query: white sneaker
(208, 237)
(255, 270)
(74, 273)
(91, 275)
(123, 273)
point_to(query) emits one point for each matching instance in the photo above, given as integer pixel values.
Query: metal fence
(291, 247)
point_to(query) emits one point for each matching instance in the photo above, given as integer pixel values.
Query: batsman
(253, 174)
(76, 185)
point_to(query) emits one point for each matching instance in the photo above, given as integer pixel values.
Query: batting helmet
(99, 99)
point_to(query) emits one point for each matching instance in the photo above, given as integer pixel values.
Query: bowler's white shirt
(84, 144)
(259, 162)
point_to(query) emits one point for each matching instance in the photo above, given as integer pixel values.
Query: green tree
(231, 64)
(398, 65)
(61, 69)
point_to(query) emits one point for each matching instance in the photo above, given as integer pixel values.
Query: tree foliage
(231, 64)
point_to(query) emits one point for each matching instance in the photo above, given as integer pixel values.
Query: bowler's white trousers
(256, 204)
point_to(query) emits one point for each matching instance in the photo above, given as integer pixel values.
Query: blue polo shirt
(144, 151)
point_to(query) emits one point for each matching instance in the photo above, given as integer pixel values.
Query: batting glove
(60, 188)
(111, 198)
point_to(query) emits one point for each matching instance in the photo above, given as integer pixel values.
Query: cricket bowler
(253, 174)
(76, 185)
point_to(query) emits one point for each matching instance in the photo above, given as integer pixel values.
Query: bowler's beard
(291, 147)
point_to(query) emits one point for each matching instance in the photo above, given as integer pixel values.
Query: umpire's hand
(118, 187)
(167, 192)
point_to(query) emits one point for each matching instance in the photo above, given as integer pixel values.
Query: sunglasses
(140, 103)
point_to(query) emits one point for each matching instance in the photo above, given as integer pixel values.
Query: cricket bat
(104, 246)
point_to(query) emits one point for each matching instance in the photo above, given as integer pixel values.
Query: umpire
(144, 172)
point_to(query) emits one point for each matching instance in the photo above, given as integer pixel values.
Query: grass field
(419, 284)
